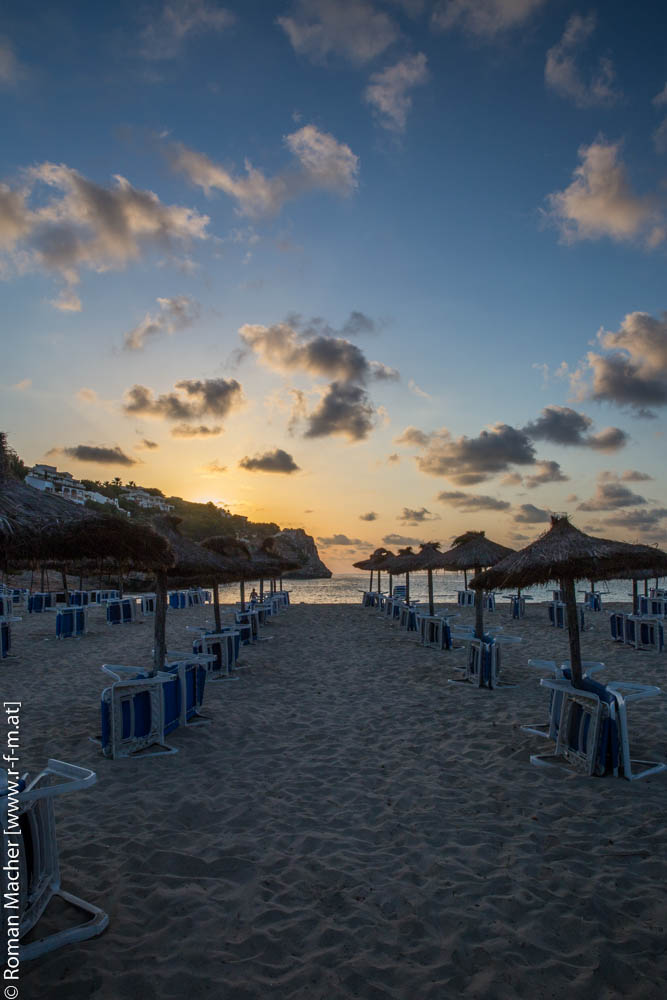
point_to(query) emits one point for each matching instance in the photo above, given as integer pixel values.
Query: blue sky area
(329, 259)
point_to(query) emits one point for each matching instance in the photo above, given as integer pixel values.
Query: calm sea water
(346, 588)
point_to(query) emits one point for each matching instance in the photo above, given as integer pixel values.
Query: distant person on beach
(254, 596)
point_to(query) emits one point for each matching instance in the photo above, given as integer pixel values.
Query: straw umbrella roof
(269, 562)
(191, 560)
(375, 561)
(428, 557)
(474, 549)
(400, 563)
(565, 553)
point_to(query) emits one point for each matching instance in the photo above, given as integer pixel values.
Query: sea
(347, 588)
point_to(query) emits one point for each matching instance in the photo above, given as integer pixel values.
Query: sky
(387, 270)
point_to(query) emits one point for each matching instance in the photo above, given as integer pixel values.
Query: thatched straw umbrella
(429, 558)
(566, 554)
(268, 562)
(401, 564)
(473, 550)
(375, 562)
(237, 554)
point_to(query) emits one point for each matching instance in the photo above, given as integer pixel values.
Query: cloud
(215, 468)
(86, 225)
(353, 29)
(192, 430)
(271, 461)
(370, 516)
(409, 516)
(564, 426)
(641, 520)
(393, 459)
(285, 349)
(24, 384)
(387, 91)
(173, 314)
(99, 453)
(600, 201)
(485, 18)
(660, 99)
(471, 502)
(467, 461)
(191, 400)
(610, 494)
(634, 374)
(322, 164)
(547, 472)
(179, 20)
(660, 137)
(413, 437)
(564, 75)
(344, 409)
(147, 445)
(11, 70)
(528, 513)
(340, 540)
(634, 476)
(87, 395)
(512, 479)
(401, 540)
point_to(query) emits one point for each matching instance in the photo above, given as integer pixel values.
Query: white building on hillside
(147, 500)
(63, 484)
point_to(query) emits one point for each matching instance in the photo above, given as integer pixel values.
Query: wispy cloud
(564, 75)
(173, 314)
(356, 30)
(388, 91)
(322, 164)
(102, 454)
(178, 21)
(484, 18)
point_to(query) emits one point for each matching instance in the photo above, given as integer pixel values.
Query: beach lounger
(435, 632)
(408, 618)
(465, 598)
(489, 602)
(249, 618)
(592, 601)
(135, 714)
(549, 729)
(558, 615)
(617, 626)
(39, 602)
(147, 604)
(644, 633)
(71, 622)
(222, 645)
(122, 611)
(191, 672)
(593, 733)
(30, 807)
(78, 598)
(518, 606)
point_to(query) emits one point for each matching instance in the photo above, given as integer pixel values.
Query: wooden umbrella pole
(216, 606)
(379, 586)
(391, 584)
(64, 576)
(242, 595)
(407, 588)
(261, 589)
(567, 588)
(635, 598)
(431, 607)
(465, 579)
(479, 610)
(160, 624)
(646, 588)
(370, 585)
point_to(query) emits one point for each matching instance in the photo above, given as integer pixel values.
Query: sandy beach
(350, 824)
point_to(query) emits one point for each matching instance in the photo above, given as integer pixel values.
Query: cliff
(294, 543)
